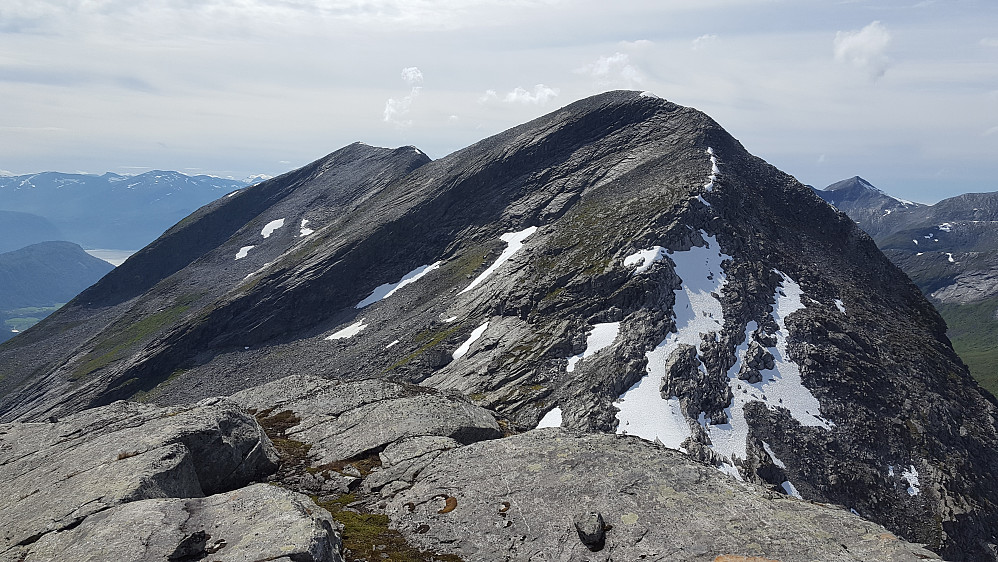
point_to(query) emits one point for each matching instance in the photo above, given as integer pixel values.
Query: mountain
(41, 277)
(950, 250)
(619, 266)
(111, 210)
(18, 230)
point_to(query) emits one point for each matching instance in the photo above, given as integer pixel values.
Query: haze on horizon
(903, 93)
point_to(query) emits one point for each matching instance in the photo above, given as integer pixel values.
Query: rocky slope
(139, 482)
(621, 265)
(950, 250)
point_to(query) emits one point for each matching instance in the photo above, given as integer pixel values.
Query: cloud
(613, 70)
(989, 42)
(541, 95)
(412, 75)
(639, 44)
(489, 95)
(397, 109)
(991, 131)
(865, 49)
(703, 41)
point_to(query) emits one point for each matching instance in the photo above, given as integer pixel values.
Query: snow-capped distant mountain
(864, 203)
(112, 210)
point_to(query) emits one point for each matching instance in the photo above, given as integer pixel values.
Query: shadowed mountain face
(36, 279)
(18, 230)
(619, 265)
(950, 250)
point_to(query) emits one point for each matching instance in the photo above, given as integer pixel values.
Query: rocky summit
(711, 338)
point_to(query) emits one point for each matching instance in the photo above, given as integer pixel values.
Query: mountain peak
(620, 265)
(853, 183)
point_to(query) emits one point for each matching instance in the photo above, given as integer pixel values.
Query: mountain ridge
(780, 343)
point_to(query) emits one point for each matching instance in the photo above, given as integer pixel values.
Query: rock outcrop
(551, 494)
(517, 499)
(131, 479)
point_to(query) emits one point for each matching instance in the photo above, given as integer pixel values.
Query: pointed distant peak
(853, 183)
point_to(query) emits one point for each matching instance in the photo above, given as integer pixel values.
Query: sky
(902, 93)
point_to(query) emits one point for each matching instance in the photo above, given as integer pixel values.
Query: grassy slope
(973, 329)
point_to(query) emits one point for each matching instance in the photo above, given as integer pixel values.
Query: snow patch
(450, 319)
(243, 252)
(475, 334)
(781, 387)
(304, 230)
(271, 227)
(642, 260)
(790, 490)
(349, 331)
(551, 419)
(840, 305)
(233, 193)
(602, 336)
(714, 171)
(642, 410)
(911, 475)
(389, 289)
(514, 241)
(946, 227)
(915, 241)
(949, 256)
(391, 345)
(649, 95)
(772, 455)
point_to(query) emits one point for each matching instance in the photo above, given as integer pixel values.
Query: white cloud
(614, 70)
(541, 95)
(639, 44)
(397, 109)
(989, 42)
(703, 41)
(865, 49)
(991, 131)
(412, 75)
(489, 95)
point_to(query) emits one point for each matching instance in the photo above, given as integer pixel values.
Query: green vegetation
(21, 319)
(432, 339)
(973, 329)
(124, 334)
(366, 536)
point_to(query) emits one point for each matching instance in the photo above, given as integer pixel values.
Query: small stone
(591, 529)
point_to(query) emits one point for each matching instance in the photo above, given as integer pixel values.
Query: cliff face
(620, 265)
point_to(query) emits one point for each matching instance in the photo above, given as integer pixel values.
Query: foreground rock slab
(519, 498)
(58, 475)
(344, 420)
(258, 522)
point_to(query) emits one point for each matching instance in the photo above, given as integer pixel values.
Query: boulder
(56, 475)
(343, 420)
(258, 522)
(517, 499)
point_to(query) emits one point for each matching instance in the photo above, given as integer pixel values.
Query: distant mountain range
(111, 210)
(36, 280)
(949, 249)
